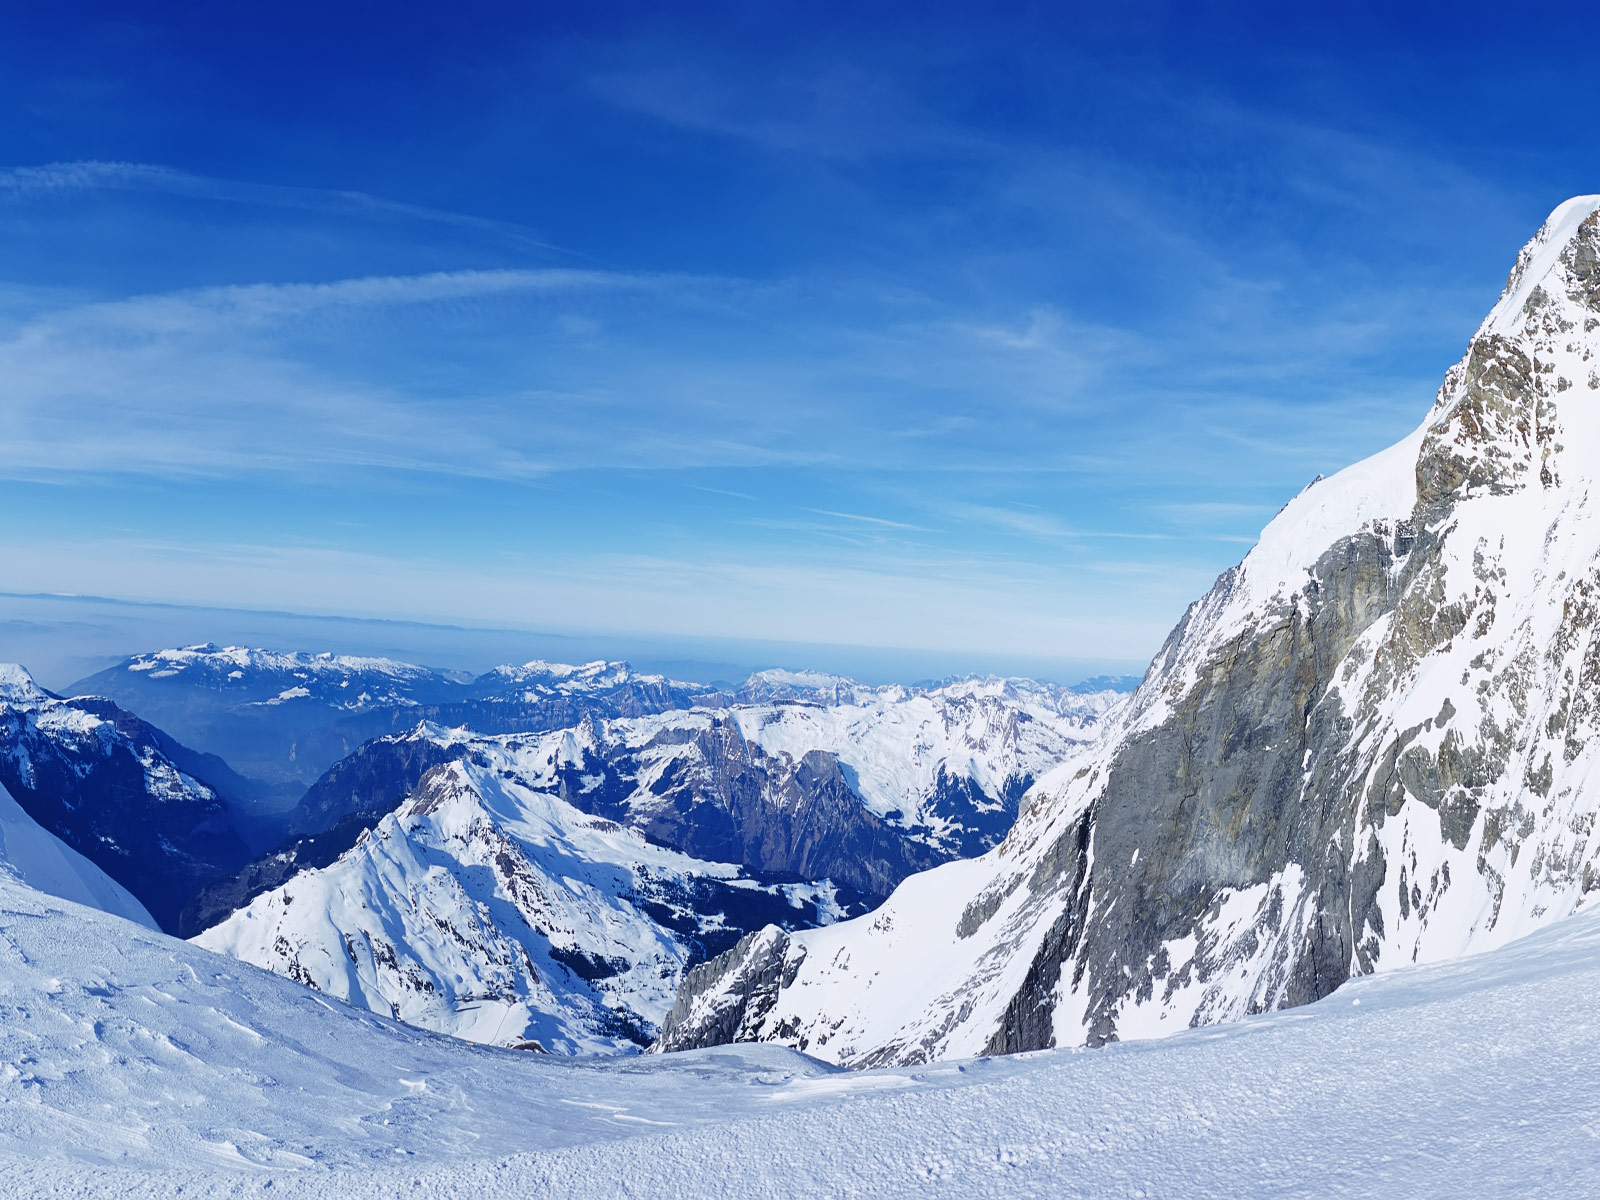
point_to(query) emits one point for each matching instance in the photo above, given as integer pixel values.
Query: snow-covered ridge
(210, 657)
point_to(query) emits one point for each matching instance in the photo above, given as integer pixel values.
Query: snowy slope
(36, 858)
(1374, 743)
(138, 1066)
(497, 912)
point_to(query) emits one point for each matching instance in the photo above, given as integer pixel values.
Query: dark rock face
(733, 802)
(370, 782)
(99, 779)
(742, 985)
(221, 897)
(1028, 1022)
(1235, 803)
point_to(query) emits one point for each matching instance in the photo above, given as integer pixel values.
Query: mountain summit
(1374, 742)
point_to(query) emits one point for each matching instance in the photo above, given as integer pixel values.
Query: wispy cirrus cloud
(861, 518)
(254, 304)
(64, 179)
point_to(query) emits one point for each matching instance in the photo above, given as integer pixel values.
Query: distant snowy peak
(277, 677)
(600, 673)
(225, 660)
(17, 687)
(538, 680)
(811, 687)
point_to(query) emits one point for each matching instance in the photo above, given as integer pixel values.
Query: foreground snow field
(132, 1064)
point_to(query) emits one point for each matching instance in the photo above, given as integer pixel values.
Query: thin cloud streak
(866, 520)
(61, 179)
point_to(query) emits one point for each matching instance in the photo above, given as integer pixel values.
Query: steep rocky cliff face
(1373, 743)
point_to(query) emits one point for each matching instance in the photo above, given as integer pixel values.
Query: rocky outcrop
(728, 1001)
(728, 800)
(1372, 743)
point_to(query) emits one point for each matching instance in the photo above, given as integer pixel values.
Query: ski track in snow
(135, 1065)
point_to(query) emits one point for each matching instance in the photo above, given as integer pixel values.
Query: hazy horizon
(63, 639)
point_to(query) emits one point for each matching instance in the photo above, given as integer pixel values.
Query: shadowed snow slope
(1375, 742)
(32, 855)
(135, 1065)
(118, 791)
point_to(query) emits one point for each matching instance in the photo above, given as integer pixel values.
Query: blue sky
(991, 333)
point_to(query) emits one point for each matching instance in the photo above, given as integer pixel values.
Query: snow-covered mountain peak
(1521, 409)
(489, 907)
(17, 686)
(1555, 254)
(1518, 416)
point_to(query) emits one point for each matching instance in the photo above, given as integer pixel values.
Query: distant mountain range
(282, 719)
(502, 879)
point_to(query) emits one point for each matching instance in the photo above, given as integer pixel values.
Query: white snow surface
(134, 1065)
(32, 855)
